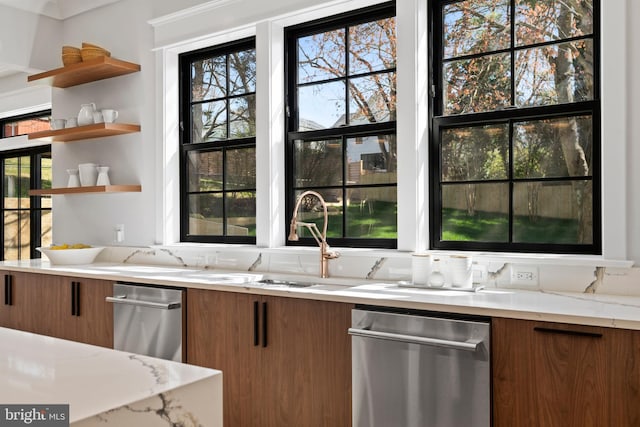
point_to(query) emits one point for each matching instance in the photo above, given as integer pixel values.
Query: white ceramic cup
(420, 269)
(461, 271)
(88, 174)
(71, 122)
(109, 115)
(97, 117)
(58, 124)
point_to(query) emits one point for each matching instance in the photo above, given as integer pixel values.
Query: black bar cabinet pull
(8, 289)
(73, 298)
(567, 332)
(256, 324)
(264, 324)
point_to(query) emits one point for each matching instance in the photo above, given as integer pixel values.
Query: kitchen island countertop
(104, 386)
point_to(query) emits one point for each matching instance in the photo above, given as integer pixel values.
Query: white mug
(97, 117)
(71, 122)
(109, 115)
(58, 124)
(88, 174)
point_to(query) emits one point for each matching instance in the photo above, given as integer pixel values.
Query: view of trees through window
(342, 114)
(219, 159)
(515, 134)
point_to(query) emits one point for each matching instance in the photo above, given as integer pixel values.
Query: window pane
(372, 213)
(476, 26)
(317, 163)
(475, 153)
(555, 74)
(205, 214)
(209, 121)
(241, 213)
(372, 99)
(553, 212)
(242, 72)
(321, 56)
(204, 171)
(241, 168)
(45, 171)
(208, 79)
(242, 117)
(475, 212)
(479, 84)
(553, 148)
(372, 46)
(311, 211)
(27, 126)
(46, 221)
(16, 235)
(25, 174)
(321, 106)
(371, 160)
(547, 20)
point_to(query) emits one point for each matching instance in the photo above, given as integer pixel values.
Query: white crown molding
(189, 12)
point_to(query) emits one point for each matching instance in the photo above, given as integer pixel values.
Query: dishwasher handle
(469, 345)
(122, 299)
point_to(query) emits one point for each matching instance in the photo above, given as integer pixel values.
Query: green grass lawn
(494, 227)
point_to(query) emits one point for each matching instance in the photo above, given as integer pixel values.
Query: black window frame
(35, 202)
(185, 61)
(344, 132)
(437, 121)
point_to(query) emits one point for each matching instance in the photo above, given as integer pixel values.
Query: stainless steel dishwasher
(415, 370)
(147, 320)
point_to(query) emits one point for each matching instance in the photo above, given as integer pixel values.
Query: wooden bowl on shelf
(91, 51)
(71, 55)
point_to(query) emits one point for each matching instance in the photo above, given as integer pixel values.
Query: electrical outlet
(118, 233)
(524, 275)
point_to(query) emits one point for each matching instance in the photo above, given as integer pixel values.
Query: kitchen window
(26, 220)
(515, 134)
(341, 124)
(218, 161)
(25, 124)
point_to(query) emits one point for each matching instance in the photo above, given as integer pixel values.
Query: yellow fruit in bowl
(68, 246)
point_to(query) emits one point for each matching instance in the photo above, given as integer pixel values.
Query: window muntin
(341, 123)
(26, 220)
(218, 174)
(25, 124)
(514, 136)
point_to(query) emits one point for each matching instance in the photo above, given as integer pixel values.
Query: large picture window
(218, 158)
(341, 124)
(515, 135)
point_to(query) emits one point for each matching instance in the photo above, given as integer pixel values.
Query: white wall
(122, 29)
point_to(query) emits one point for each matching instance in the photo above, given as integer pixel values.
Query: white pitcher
(85, 116)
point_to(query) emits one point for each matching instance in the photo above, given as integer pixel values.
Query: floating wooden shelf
(84, 72)
(80, 190)
(97, 130)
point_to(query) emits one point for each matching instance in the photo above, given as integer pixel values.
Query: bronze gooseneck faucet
(321, 238)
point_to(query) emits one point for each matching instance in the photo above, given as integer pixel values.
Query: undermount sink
(288, 283)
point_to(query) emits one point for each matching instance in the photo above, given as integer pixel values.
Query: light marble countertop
(103, 386)
(577, 308)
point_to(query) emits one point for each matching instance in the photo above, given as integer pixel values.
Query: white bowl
(71, 256)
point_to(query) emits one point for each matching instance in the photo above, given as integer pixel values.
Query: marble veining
(256, 263)
(378, 264)
(104, 386)
(593, 286)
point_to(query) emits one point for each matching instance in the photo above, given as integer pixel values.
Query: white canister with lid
(420, 269)
(88, 174)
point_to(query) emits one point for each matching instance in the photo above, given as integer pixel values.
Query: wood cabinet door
(220, 335)
(93, 319)
(549, 374)
(306, 364)
(23, 309)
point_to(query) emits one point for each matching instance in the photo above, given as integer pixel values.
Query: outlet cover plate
(524, 276)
